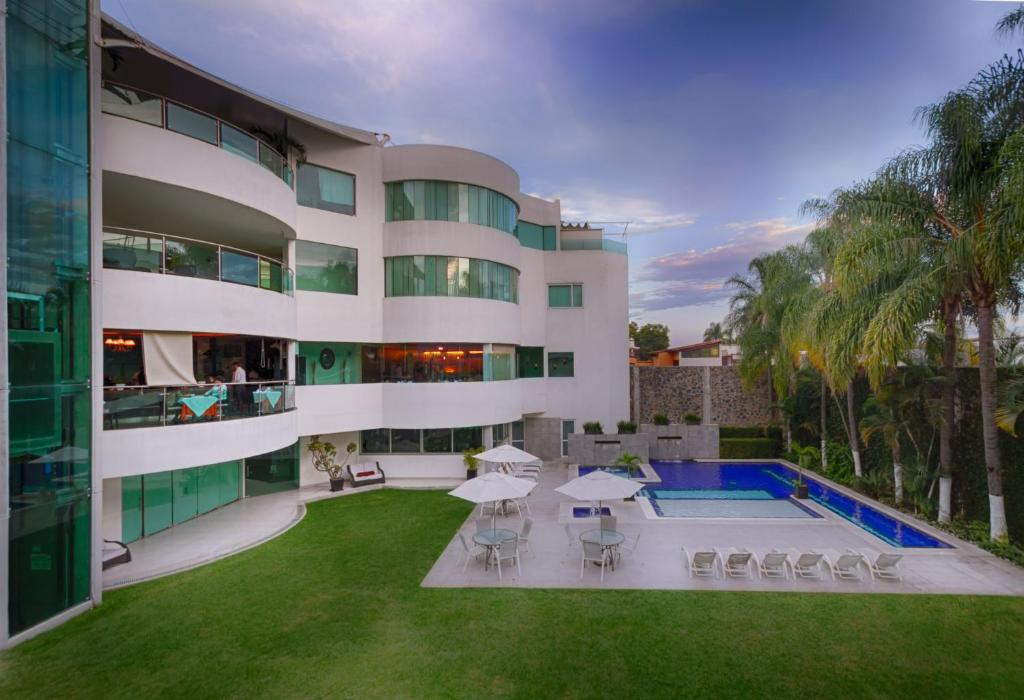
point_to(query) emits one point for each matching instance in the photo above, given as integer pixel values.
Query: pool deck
(658, 561)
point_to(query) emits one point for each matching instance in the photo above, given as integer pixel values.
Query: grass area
(334, 608)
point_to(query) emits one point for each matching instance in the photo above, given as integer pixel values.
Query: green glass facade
(323, 188)
(272, 472)
(433, 200)
(154, 502)
(320, 267)
(48, 331)
(529, 362)
(413, 441)
(536, 236)
(443, 276)
(565, 296)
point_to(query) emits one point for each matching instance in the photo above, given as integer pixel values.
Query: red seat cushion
(362, 474)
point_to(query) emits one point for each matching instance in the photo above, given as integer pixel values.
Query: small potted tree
(593, 427)
(470, 460)
(806, 455)
(323, 454)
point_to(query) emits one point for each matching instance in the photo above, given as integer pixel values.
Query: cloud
(643, 215)
(694, 278)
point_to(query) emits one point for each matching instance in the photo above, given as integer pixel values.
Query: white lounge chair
(595, 554)
(886, 567)
(508, 549)
(774, 565)
(739, 565)
(469, 552)
(848, 567)
(808, 565)
(702, 564)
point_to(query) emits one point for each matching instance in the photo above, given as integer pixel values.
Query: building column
(705, 417)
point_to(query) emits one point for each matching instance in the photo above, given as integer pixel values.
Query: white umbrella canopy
(491, 487)
(506, 454)
(599, 486)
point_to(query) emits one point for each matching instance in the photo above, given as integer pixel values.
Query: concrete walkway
(228, 530)
(658, 561)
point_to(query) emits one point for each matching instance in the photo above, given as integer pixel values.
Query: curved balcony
(449, 164)
(450, 238)
(468, 319)
(201, 160)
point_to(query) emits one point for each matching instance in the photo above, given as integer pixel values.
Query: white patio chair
(508, 549)
(609, 522)
(848, 567)
(629, 547)
(520, 504)
(739, 565)
(595, 554)
(886, 567)
(468, 552)
(702, 564)
(524, 534)
(808, 565)
(774, 565)
(571, 538)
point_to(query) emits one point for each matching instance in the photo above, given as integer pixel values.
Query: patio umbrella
(492, 487)
(506, 454)
(599, 486)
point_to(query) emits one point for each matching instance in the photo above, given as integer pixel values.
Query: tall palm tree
(1012, 22)
(713, 332)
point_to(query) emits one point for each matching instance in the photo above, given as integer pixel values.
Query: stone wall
(682, 441)
(542, 437)
(676, 391)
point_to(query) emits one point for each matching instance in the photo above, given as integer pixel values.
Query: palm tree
(949, 217)
(714, 331)
(1012, 21)
(885, 415)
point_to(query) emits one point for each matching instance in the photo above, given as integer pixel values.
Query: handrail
(117, 229)
(236, 401)
(287, 274)
(120, 387)
(163, 124)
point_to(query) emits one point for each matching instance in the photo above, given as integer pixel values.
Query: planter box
(604, 450)
(680, 441)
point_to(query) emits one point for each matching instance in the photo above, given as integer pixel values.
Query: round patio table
(492, 539)
(608, 539)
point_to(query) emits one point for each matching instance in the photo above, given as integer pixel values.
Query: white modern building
(229, 277)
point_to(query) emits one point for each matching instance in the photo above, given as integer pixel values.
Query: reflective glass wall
(433, 200)
(536, 236)
(427, 441)
(443, 276)
(320, 267)
(272, 472)
(352, 363)
(48, 334)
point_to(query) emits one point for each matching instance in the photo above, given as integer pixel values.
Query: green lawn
(334, 608)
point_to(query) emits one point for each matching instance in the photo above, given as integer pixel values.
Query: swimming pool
(730, 490)
(633, 473)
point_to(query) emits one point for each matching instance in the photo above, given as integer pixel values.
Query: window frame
(575, 295)
(355, 190)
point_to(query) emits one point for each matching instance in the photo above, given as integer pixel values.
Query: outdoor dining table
(608, 539)
(492, 539)
(268, 396)
(197, 405)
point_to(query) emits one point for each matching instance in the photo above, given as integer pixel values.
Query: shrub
(469, 457)
(626, 427)
(593, 427)
(742, 431)
(691, 418)
(746, 448)
(660, 419)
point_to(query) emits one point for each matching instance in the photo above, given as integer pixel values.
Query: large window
(273, 471)
(413, 441)
(323, 188)
(564, 296)
(442, 276)
(536, 236)
(320, 267)
(560, 364)
(431, 200)
(529, 362)
(328, 363)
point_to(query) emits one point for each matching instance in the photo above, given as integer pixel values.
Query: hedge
(747, 448)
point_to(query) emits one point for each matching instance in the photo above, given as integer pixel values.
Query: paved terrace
(658, 561)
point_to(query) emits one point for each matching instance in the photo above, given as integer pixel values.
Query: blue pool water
(578, 512)
(617, 471)
(719, 489)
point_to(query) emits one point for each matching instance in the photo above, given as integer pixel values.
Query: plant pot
(470, 474)
(800, 491)
(337, 484)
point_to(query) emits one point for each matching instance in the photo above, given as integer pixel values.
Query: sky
(704, 123)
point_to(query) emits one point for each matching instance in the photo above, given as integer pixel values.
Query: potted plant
(806, 455)
(630, 462)
(691, 418)
(323, 454)
(470, 460)
(593, 427)
(626, 427)
(660, 419)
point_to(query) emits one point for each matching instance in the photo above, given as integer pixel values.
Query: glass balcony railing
(153, 406)
(145, 251)
(612, 246)
(145, 107)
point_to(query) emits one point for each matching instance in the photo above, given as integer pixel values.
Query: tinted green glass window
(377, 441)
(191, 259)
(565, 295)
(185, 504)
(133, 104)
(560, 364)
(208, 485)
(430, 275)
(530, 362)
(326, 268)
(437, 440)
(405, 441)
(158, 500)
(191, 123)
(467, 438)
(323, 188)
(433, 200)
(238, 142)
(131, 508)
(273, 471)
(240, 268)
(132, 251)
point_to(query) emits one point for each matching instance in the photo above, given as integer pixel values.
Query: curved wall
(450, 320)
(146, 450)
(451, 404)
(160, 302)
(142, 150)
(429, 162)
(450, 238)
